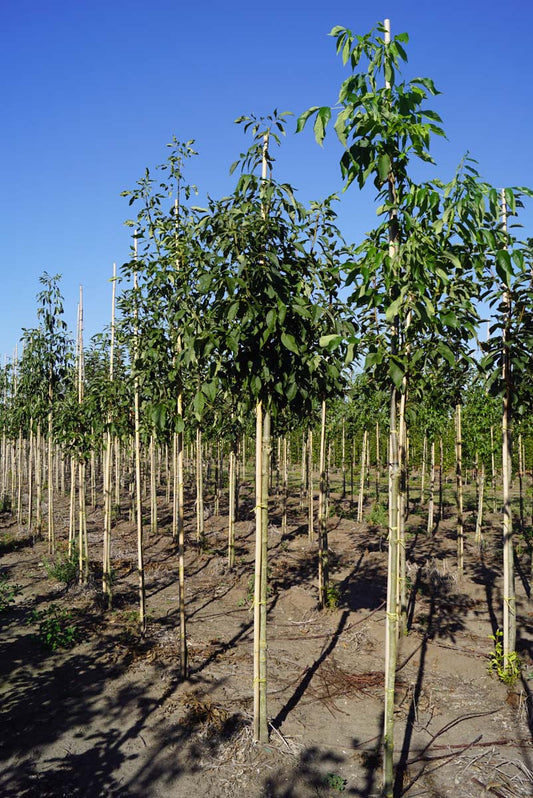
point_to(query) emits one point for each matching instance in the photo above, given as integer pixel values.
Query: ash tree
(507, 361)
(272, 277)
(415, 275)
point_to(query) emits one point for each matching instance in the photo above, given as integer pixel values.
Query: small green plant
(56, 627)
(63, 568)
(333, 596)
(7, 593)
(335, 782)
(507, 669)
(378, 515)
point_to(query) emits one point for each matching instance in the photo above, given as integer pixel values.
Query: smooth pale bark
(83, 547)
(424, 467)
(51, 530)
(199, 488)
(361, 499)
(521, 482)
(184, 655)
(217, 481)
(323, 554)
(310, 490)
(459, 489)
(493, 469)
(431, 502)
(261, 499)
(153, 487)
(19, 477)
(107, 487)
(138, 476)
(402, 512)
(72, 507)
(480, 498)
(378, 463)
(391, 629)
(93, 479)
(118, 466)
(108, 461)
(231, 506)
(303, 482)
(343, 460)
(352, 468)
(30, 480)
(285, 487)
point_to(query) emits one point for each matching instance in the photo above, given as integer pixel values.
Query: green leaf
(397, 371)
(322, 118)
(302, 119)
(289, 342)
(198, 405)
(383, 167)
(331, 341)
(504, 266)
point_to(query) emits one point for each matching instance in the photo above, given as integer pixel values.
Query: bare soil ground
(110, 717)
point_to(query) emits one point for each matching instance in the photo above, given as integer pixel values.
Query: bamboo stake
(138, 485)
(509, 599)
(459, 489)
(323, 558)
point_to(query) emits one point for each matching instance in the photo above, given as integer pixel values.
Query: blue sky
(94, 89)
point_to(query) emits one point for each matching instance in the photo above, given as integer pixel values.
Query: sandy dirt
(110, 717)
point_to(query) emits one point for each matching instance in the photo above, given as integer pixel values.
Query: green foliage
(507, 669)
(56, 627)
(333, 595)
(335, 782)
(272, 268)
(63, 568)
(8, 592)
(378, 515)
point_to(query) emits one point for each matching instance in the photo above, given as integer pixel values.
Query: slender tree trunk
(402, 511)
(153, 487)
(303, 483)
(311, 522)
(378, 463)
(521, 482)
(51, 531)
(391, 629)
(323, 554)
(285, 487)
(493, 469)
(459, 489)
(260, 588)
(199, 488)
(362, 478)
(423, 472)
(184, 656)
(30, 479)
(431, 504)
(231, 505)
(481, 492)
(72, 507)
(441, 476)
(343, 460)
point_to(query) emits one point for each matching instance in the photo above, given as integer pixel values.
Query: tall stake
(509, 599)
(108, 459)
(138, 486)
(459, 488)
(262, 459)
(83, 553)
(323, 558)
(391, 630)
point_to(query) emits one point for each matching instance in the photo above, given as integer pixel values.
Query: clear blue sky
(94, 89)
